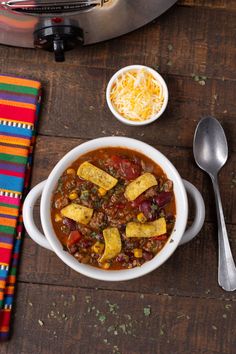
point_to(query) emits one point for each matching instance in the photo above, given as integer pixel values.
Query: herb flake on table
(113, 308)
(102, 318)
(87, 299)
(201, 79)
(161, 332)
(41, 323)
(228, 306)
(233, 180)
(147, 311)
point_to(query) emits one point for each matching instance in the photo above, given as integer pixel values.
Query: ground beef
(61, 202)
(97, 220)
(168, 186)
(86, 231)
(150, 193)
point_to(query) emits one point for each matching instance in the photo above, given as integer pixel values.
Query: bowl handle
(28, 217)
(197, 224)
(39, 238)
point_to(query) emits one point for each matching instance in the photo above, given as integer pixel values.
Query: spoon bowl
(210, 146)
(210, 151)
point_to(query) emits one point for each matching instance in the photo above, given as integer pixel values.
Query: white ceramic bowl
(117, 114)
(50, 240)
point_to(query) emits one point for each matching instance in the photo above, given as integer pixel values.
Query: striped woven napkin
(19, 106)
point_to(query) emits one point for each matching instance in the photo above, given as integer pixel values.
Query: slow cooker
(59, 25)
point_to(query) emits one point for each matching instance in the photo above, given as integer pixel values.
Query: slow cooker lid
(58, 25)
(52, 6)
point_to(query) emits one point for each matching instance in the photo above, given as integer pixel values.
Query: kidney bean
(136, 203)
(71, 224)
(85, 243)
(163, 198)
(146, 207)
(147, 256)
(149, 209)
(122, 258)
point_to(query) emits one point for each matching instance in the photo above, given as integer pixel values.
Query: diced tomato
(73, 238)
(115, 161)
(126, 168)
(160, 238)
(119, 206)
(130, 170)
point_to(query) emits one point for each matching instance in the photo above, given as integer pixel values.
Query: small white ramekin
(117, 114)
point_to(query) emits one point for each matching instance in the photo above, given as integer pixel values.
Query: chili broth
(111, 209)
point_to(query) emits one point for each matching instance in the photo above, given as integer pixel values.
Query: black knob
(58, 48)
(58, 39)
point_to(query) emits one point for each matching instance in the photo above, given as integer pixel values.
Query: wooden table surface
(179, 308)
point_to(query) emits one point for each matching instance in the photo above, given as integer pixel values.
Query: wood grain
(191, 271)
(79, 109)
(95, 321)
(216, 4)
(199, 39)
(200, 45)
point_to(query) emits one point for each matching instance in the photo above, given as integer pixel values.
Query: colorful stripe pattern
(19, 106)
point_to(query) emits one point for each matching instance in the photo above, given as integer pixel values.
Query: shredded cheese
(137, 95)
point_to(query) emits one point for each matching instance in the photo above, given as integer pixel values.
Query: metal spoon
(211, 152)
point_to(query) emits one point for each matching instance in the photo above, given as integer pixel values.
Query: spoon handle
(226, 266)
